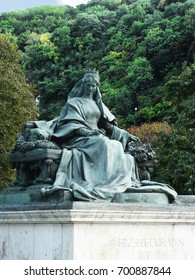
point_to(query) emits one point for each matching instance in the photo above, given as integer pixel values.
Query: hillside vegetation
(144, 51)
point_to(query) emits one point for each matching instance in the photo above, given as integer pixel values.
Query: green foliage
(177, 149)
(17, 104)
(136, 45)
(160, 111)
(143, 49)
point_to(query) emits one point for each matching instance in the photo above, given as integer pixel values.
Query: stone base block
(99, 231)
(141, 198)
(30, 198)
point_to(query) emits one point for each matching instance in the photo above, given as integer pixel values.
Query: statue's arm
(106, 126)
(110, 128)
(134, 138)
(88, 132)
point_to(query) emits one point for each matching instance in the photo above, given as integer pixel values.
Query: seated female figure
(94, 164)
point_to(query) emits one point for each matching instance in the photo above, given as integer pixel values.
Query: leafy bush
(17, 104)
(148, 132)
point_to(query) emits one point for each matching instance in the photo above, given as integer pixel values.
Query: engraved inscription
(150, 242)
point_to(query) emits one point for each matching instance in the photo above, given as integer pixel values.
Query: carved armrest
(36, 166)
(34, 155)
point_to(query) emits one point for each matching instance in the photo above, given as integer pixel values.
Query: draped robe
(95, 167)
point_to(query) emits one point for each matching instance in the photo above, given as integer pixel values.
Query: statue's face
(90, 87)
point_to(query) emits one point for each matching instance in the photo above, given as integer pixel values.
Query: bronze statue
(97, 159)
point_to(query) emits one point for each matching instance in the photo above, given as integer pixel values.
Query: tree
(39, 62)
(138, 79)
(17, 104)
(138, 46)
(176, 150)
(57, 43)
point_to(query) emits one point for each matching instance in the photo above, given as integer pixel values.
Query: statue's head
(92, 76)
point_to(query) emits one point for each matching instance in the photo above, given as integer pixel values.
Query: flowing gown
(96, 167)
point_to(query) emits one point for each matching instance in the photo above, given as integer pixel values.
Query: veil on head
(78, 89)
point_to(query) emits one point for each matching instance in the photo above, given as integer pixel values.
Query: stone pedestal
(99, 231)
